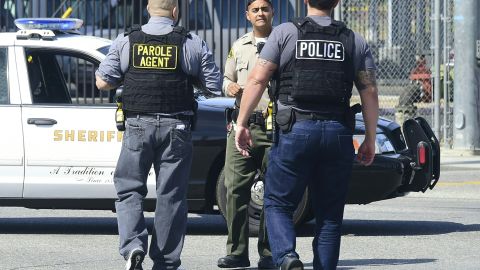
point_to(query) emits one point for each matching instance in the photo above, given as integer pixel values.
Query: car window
(63, 78)
(3, 76)
(104, 49)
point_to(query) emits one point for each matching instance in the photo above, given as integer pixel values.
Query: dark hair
(249, 2)
(322, 4)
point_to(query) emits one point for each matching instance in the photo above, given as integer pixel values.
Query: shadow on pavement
(394, 228)
(215, 225)
(351, 264)
(197, 225)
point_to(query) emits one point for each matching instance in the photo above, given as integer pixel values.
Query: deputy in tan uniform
(240, 171)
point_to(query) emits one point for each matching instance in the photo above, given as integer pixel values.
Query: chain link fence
(400, 35)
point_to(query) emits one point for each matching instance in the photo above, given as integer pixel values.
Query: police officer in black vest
(315, 62)
(157, 64)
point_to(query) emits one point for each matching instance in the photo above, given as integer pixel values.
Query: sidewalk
(463, 158)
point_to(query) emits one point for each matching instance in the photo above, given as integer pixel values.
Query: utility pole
(466, 86)
(436, 69)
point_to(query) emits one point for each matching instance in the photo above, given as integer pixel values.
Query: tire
(301, 214)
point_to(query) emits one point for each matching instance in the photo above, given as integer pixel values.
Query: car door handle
(41, 121)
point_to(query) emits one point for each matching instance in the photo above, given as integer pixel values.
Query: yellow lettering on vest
(154, 61)
(169, 51)
(143, 62)
(165, 61)
(151, 50)
(145, 50)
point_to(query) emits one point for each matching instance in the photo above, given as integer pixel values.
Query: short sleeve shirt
(240, 62)
(197, 59)
(280, 46)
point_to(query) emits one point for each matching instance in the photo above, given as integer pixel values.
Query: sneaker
(135, 259)
(291, 262)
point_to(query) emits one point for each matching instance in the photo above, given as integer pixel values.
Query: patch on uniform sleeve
(151, 56)
(230, 54)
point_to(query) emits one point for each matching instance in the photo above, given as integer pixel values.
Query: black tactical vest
(320, 76)
(155, 81)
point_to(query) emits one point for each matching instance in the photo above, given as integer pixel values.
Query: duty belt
(256, 117)
(318, 116)
(158, 116)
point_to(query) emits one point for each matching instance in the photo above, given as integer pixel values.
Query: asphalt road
(436, 230)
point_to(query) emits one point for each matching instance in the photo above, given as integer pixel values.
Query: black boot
(291, 262)
(232, 261)
(266, 262)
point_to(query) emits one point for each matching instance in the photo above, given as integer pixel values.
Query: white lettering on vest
(320, 50)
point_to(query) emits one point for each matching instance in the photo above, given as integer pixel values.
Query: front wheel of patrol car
(255, 206)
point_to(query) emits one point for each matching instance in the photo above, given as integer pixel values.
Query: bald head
(161, 8)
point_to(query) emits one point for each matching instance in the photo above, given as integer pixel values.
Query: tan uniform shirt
(240, 63)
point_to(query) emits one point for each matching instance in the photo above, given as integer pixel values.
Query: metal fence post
(466, 93)
(436, 71)
(447, 125)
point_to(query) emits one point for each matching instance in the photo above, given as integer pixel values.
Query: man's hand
(103, 85)
(243, 140)
(366, 153)
(234, 89)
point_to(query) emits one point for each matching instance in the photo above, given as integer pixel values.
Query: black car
(405, 162)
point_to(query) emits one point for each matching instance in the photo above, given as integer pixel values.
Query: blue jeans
(317, 154)
(166, 144)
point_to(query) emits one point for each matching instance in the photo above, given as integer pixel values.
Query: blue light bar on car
(48, 24)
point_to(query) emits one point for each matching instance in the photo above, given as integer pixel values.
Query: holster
(229, 115)
(285, 119)
(350, 115)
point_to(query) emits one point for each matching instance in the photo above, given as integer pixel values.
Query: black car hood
(382, 125)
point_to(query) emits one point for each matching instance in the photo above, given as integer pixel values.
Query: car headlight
(382, 143)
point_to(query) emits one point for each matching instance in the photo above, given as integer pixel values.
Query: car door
(11, 137)
(71, 141)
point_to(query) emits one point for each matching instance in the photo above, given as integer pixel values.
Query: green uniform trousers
(240, 174)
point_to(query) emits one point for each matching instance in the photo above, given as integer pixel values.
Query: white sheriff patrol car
(59, 142)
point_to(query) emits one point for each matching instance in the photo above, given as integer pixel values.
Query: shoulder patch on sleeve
(230, 53)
